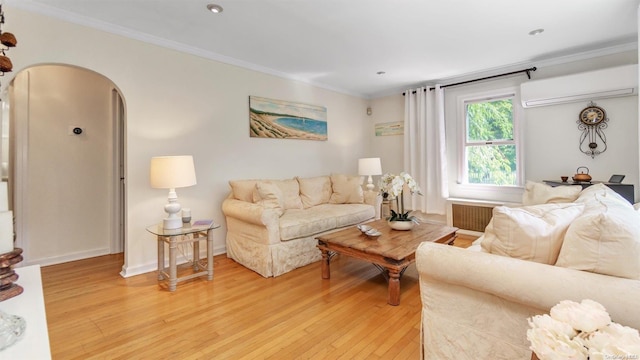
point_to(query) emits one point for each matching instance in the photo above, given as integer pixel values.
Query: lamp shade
(170, 172)
(369, 166)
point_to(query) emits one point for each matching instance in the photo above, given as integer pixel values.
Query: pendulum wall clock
(592, 121)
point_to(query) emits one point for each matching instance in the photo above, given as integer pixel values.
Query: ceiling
(343, 44)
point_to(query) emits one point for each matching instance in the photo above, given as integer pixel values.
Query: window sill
(487, 192)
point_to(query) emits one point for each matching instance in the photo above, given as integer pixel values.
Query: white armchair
(475, 305)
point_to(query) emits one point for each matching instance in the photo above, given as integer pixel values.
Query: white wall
(551, 135)
(183, 104)
(388, 148)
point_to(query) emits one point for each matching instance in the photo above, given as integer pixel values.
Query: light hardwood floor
(93, 313)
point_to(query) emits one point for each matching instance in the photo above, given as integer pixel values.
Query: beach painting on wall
(286, 120)
(390, 128)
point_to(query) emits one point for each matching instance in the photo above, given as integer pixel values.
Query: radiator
(471, 216)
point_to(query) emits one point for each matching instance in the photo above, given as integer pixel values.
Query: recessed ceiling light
(381, 73)
(536, 32)
(215, 8)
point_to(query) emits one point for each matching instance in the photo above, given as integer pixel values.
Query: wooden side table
(188, 233)
(385, 209)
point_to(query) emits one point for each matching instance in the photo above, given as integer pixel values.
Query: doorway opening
(67, 164)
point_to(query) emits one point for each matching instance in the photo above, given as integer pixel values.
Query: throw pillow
(290, 193)
(314, 191)
(346, 190)
(605, 239)
(532, 233)
(269, 196)
(601, 191)
(243, 189)
(540, 193)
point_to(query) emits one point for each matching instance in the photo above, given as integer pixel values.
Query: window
(490, 154)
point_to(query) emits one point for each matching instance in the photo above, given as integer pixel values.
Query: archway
(67, 163)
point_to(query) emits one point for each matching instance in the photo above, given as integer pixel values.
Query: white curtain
(425, 149)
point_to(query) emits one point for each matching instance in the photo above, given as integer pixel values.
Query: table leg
(451, 240)
(173, 271)
(210, 254)
(160, 258)
(394, 287)
(196, 253)
(326, 259)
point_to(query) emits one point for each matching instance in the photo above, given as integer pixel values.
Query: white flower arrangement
(581, 331)
(394, 186)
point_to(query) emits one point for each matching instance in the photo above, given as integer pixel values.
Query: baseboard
(66, 258)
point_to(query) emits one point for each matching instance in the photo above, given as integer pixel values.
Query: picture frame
(389, 128)
(616, 179)
(280, 119)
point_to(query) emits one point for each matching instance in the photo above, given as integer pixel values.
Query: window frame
(497, 94)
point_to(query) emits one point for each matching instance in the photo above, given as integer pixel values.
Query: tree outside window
(490, 146)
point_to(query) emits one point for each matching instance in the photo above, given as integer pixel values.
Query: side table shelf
(185, 235)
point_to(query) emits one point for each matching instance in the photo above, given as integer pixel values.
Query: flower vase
(394, 186)
(401, 225)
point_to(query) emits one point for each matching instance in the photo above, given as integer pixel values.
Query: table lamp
(171, 172)
(368, 167)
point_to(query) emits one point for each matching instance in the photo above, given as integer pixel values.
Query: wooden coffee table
(391, 253)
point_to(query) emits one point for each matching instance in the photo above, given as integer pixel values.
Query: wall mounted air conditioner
(591, 85)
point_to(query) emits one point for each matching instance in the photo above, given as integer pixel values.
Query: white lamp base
(370, 185)
(172, 208)
(172, 223)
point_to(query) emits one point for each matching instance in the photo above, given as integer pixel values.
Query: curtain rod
(528, 71)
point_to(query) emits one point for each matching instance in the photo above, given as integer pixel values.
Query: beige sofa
(272, 224)
(475, 302)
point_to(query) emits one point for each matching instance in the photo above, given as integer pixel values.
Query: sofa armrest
(250, 212)
(249, 222)
(529, 283)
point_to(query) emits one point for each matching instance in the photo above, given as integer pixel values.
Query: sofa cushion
(532, 233)
(346, 190)
(351, 214)
(269, 196)
(540, 193)
(298, 223)
(605, 239)
(314, 191)
(243, 189)
(289, 192)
